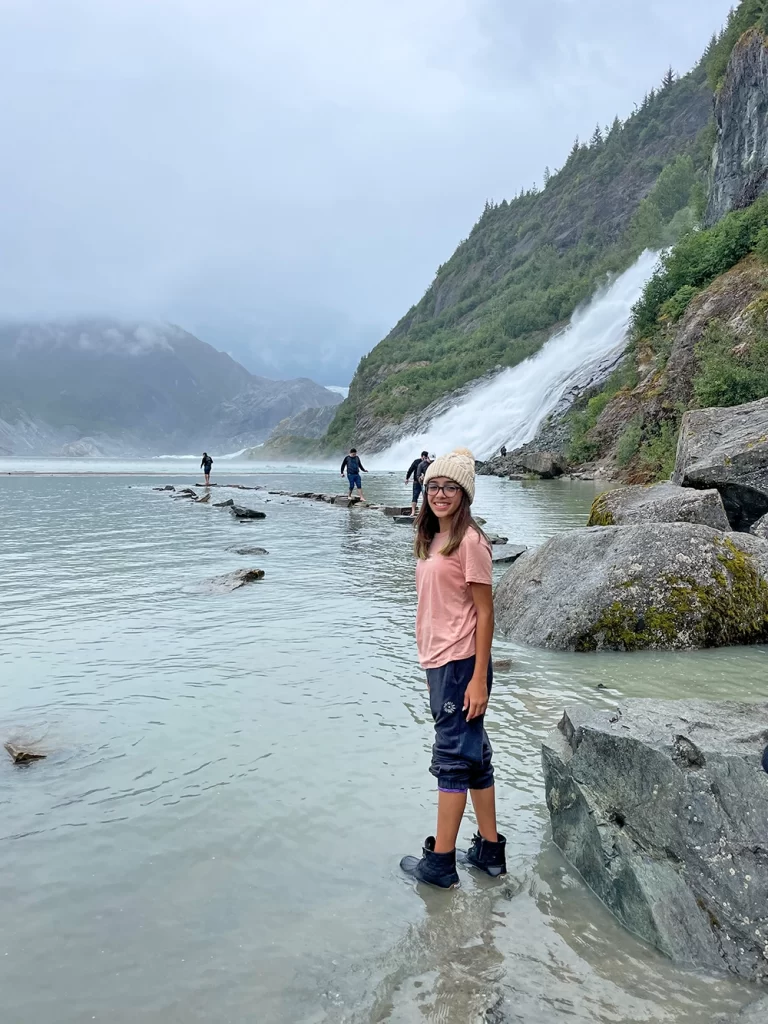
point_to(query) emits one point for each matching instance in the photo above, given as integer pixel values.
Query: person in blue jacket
(353, 467)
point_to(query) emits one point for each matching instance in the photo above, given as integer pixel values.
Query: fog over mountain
(283, 179)
(112, 387)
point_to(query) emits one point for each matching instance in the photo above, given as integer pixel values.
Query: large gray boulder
(659, 503)
(240, 512)
(544, 464)
(662, 586)
(727, 449)
(760, 528)
(661, 806)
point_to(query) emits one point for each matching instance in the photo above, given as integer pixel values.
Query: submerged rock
(494, 538)
(661, 807)
(396, 510)
(755, 1013)
(235, 580)
(168, 487)
(659, 503)
(185, 492)
(23, 754)
(661, 586)
(246, 513)
(728, 449)
(249, 551)
(224, 504)
(204, 500)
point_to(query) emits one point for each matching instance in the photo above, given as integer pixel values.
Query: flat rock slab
(402, 520)
(661, 806)
(505, 554)
(246, 513)
(727, 449)
(659, 503)
(234, 580)
(345, 500)
(396, 510)
(229, 503)
(654, 586)
(204, 500)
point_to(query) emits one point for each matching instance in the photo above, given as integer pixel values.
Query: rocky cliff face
(740, 161)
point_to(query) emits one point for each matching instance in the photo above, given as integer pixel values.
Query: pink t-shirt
(446, 618)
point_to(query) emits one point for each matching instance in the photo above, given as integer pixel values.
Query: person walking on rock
(352, 466)
(454, 632)
(205, 465)
(414, 471)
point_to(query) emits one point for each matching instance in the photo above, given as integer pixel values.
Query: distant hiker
(503, 450)
(352, 466)
(454, 631)
(205, 465)
(413, 471)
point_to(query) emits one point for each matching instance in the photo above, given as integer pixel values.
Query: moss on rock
(600, 514)
(732, 609)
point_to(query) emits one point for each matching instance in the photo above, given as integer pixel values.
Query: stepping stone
(505, 554)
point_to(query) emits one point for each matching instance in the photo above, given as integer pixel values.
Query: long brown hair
(428, 525)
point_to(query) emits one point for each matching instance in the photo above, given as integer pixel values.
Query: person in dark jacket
(205, 465)
(414, 471)
(353, 467)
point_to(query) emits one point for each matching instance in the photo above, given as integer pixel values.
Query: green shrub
(629, 442)
(761, 244)
(699, 258)
(659, 450)
(674, 308)
(725, 377)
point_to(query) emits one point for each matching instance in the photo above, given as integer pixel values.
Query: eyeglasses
(449, 490)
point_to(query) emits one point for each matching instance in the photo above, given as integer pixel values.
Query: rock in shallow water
(662, 807)
(235, 580)
(659, 503)
(662, 586)
(249, 551)
(246, 513)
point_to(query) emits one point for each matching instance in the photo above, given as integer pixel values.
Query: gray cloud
(285, 178)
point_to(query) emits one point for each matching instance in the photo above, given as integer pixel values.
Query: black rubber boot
(488, 857)
(434, 868)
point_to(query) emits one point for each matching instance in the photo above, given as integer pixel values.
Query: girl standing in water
(454, 632)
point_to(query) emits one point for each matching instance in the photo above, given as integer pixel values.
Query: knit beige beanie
(459, 466)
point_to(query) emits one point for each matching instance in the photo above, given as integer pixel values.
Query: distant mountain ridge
(114, 387)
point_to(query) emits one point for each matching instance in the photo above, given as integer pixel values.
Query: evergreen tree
(597, 137)
(547, 176)
(669, 79)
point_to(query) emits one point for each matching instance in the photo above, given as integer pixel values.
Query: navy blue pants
(416, 491)
(461, 755)
(355, 480)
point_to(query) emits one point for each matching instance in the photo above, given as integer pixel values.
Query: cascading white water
(509, 409)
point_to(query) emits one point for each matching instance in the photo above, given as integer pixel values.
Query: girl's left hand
(476, 697)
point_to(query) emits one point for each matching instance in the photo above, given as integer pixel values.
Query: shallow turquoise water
(232, 778)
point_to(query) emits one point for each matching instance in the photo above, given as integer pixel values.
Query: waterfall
(510, 408)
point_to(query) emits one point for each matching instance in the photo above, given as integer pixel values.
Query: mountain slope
(140, 386)
(529, 262)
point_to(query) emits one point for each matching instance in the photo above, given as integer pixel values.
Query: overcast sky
(283, 177)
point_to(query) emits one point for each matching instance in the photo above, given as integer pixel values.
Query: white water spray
(509, 409)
